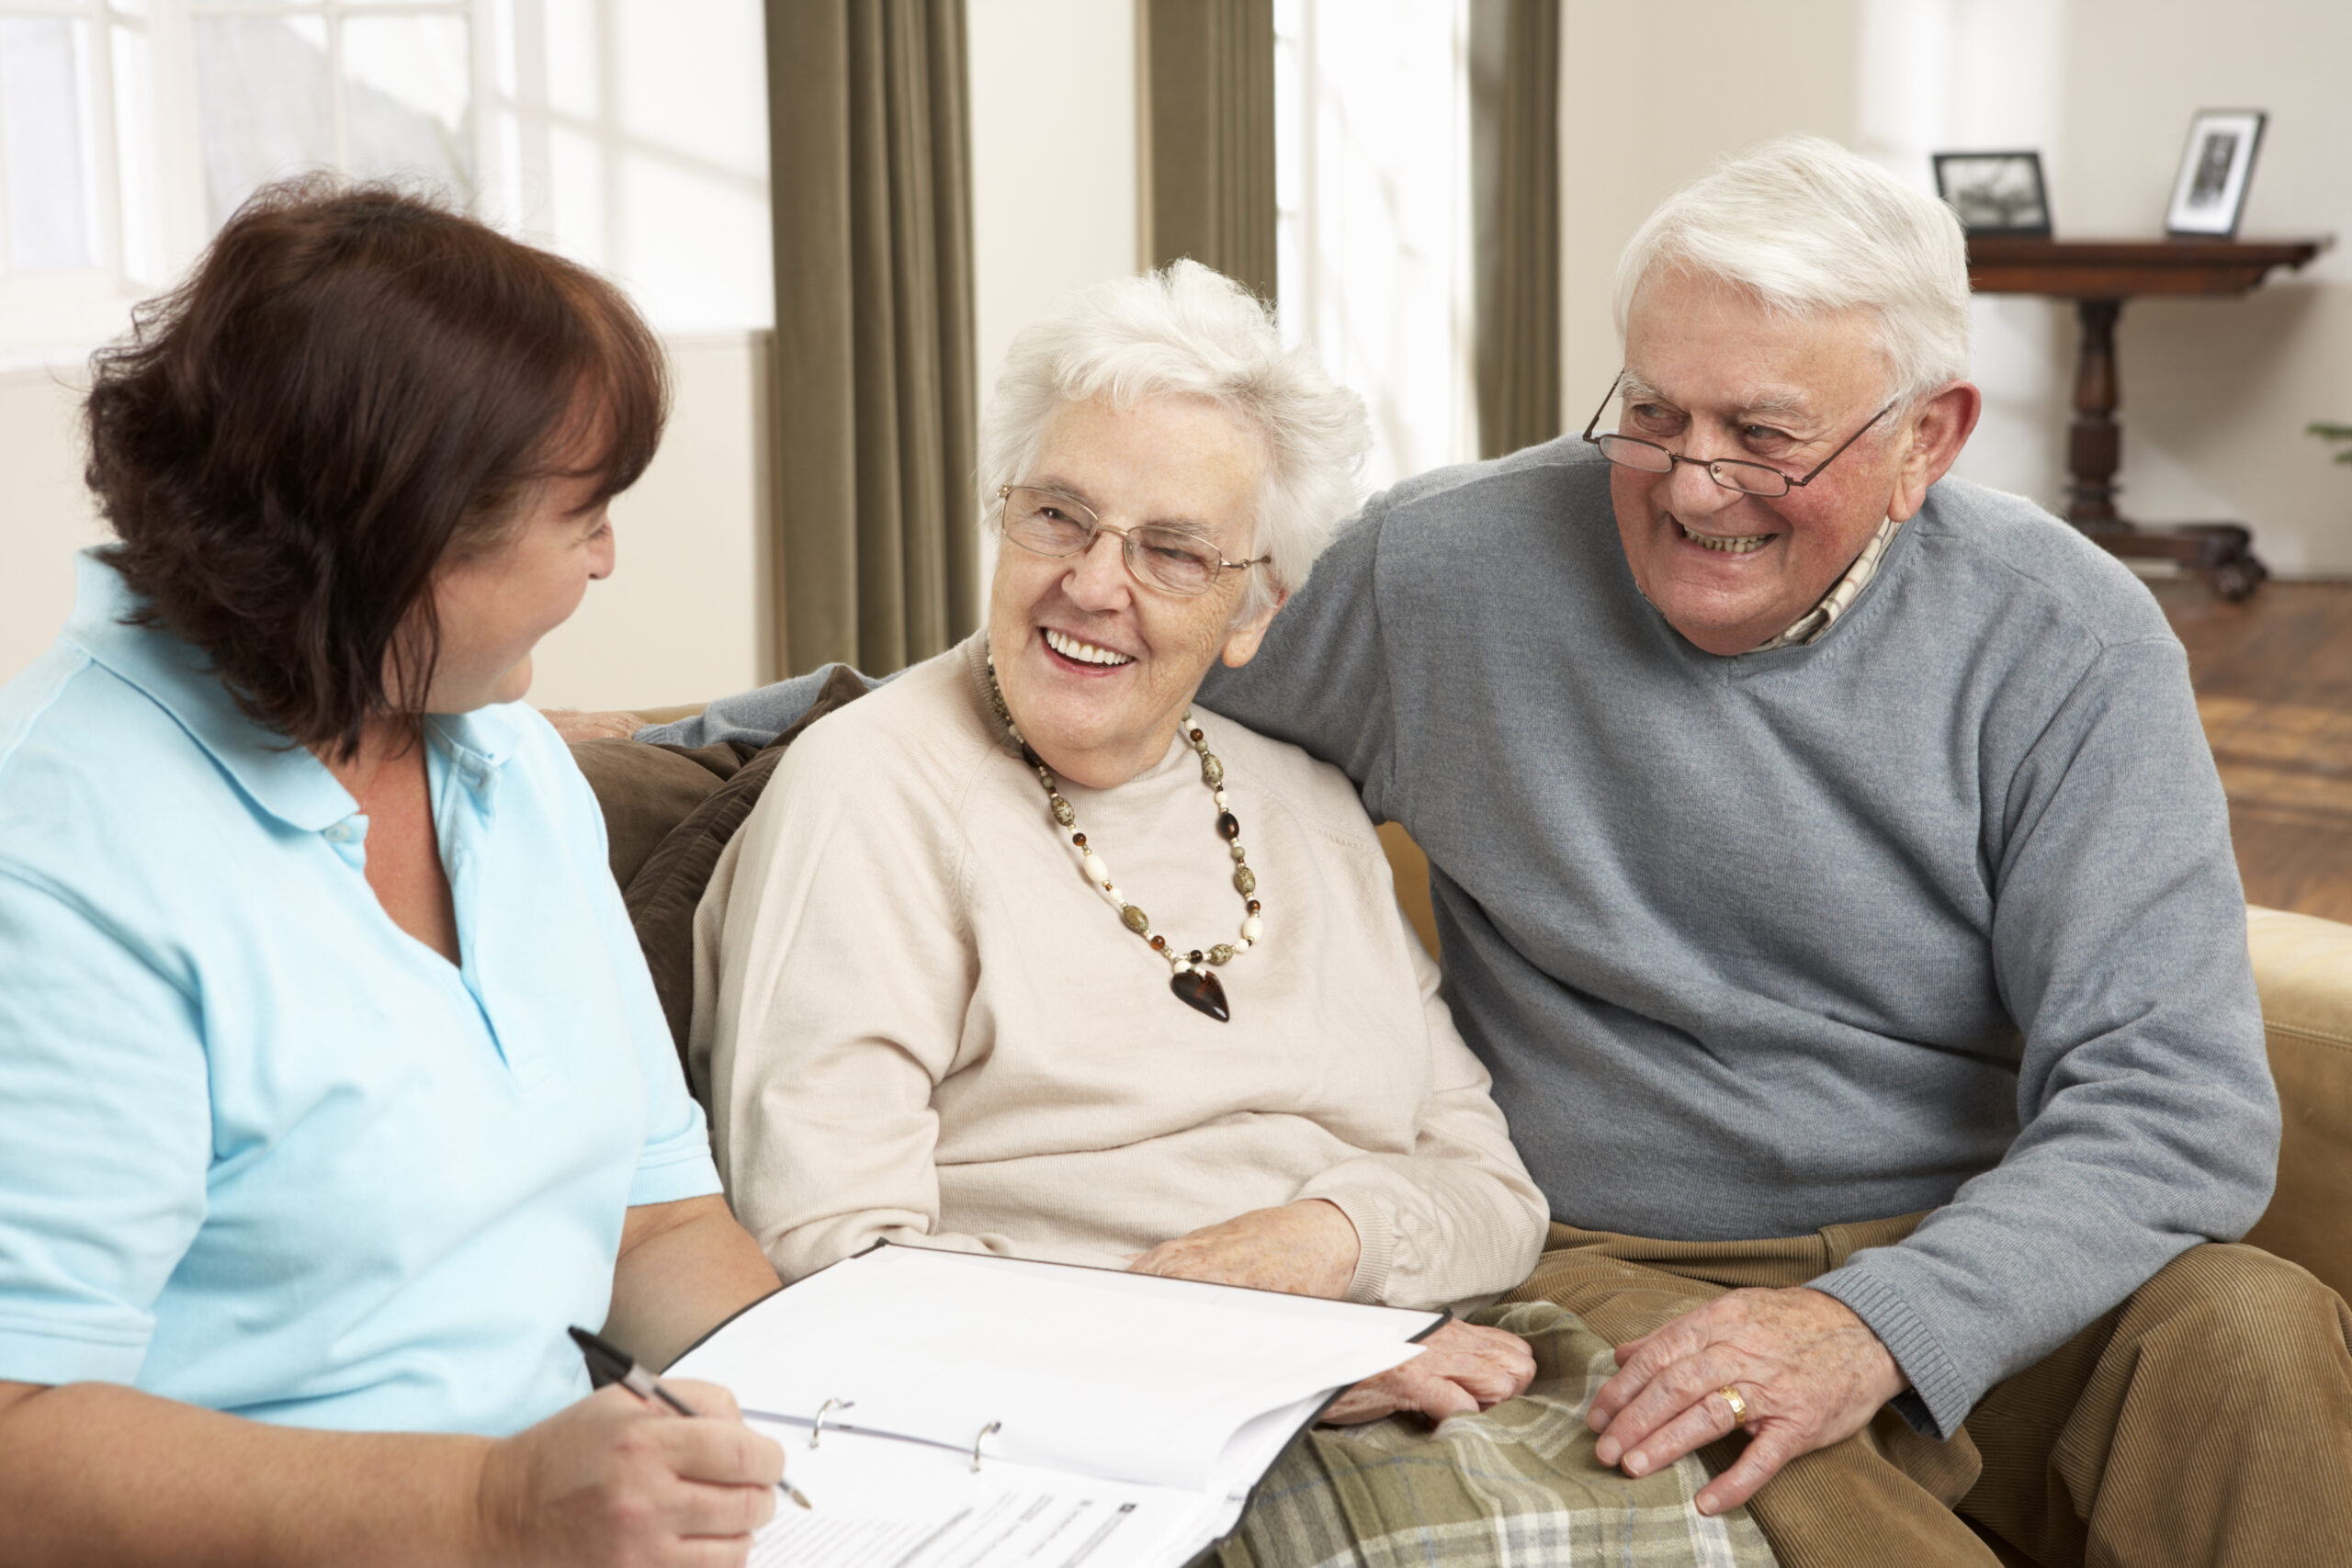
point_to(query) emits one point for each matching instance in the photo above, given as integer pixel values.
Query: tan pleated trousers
(2206, 1421)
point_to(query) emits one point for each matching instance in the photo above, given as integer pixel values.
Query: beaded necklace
(1190, 975)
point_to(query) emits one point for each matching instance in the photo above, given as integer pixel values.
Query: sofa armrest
(2304, 968)
(670, 715)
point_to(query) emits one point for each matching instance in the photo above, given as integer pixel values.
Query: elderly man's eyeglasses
(1048, 523)
(1732, 473)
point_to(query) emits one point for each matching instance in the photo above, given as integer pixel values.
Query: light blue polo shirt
(261, 1150)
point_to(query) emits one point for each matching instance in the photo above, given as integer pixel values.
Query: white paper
(884, 1504)
(1120, 1377)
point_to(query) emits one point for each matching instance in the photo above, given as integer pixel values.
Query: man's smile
(1726, 544)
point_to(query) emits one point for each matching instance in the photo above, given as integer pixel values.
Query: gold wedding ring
(1730, 1396)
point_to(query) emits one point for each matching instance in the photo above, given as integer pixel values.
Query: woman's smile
(1084, 657)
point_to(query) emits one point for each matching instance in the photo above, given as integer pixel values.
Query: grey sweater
(1936, 913)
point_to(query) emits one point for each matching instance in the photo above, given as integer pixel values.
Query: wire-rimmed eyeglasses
(1048, 523)
(1732, 473)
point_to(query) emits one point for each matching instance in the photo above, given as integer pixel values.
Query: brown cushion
(2304, 967)
(663, 895)
(646, 791)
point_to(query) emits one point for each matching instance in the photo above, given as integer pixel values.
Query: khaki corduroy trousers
(2206, 1421)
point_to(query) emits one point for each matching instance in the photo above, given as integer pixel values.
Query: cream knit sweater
(918, 1023)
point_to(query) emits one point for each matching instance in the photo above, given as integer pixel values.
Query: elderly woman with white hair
(1027, 953)
(932, 1012)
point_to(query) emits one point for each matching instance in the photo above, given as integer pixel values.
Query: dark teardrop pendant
(1228, 825)
(1198, 989)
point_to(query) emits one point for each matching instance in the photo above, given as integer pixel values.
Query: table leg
(2094, 445)
(2221, 553)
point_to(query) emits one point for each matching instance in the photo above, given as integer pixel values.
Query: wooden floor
(2274, 686)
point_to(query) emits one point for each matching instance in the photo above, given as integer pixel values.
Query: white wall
(1053, 167)
(688, 614)
(2215, 393)
(45, 512)
(1053, 158)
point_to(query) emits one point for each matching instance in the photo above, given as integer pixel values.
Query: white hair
(1812, 230)
(1186, 332)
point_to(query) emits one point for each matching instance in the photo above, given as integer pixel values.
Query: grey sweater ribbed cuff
(1943, 1396)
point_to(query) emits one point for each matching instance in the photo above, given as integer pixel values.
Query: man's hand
(612, 1480)
(1307, 1249)
(1462, 1369)
(573, 725)
(1811, 1372)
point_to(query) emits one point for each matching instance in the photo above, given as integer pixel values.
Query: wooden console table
(2099, 276)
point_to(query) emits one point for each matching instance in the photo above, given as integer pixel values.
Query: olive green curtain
(1515, 180)
(877, 552)
(1208, 123)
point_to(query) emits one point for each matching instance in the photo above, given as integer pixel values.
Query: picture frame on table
(1995, 193)
(2209, 193)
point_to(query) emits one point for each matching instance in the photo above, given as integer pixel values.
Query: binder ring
(816, 1427)
(986, 1433)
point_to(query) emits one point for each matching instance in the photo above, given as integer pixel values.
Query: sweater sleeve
(758, 715)
(1320, 680)
(841, 966)
(2148, 1119)
(1457, 1221)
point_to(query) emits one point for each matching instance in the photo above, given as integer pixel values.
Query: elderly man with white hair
(1834, 878)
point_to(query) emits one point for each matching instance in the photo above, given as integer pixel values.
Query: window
(1371, 150)
(630, 134)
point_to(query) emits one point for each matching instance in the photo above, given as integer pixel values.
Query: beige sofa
(2303, 966)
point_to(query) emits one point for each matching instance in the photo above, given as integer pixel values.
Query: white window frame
(59, 315)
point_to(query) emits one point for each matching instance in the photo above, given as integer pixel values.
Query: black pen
(612, 1363)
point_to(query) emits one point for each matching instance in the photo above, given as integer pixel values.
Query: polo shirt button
(339, 834)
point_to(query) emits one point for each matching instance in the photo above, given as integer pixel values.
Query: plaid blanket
(1516, 1486)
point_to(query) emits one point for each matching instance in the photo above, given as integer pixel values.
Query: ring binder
(986, 1433)
(816, 1427)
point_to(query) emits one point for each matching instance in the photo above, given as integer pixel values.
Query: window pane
(264, 101)
(134, 108)
(700, 89)
(576, 175)
(573, 76)
(410, 81)
(41, 120)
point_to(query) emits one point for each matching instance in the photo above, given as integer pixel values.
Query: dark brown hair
(354, 385)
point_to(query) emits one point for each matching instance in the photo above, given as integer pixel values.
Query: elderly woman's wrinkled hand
(1307, 1249)
(1462, 1370)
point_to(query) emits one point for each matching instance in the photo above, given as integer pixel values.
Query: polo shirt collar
(281, 777)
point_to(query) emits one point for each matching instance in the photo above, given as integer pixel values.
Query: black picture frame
(1995, 193)
(2216, 171)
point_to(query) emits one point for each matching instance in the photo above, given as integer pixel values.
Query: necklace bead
(1189, 972)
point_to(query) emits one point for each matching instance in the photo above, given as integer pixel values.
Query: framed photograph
(2210, 193)
(1995, 193)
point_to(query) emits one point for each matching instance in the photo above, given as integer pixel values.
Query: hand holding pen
(608, 1363)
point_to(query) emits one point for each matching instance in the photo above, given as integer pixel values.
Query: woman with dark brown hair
(335, 1088)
